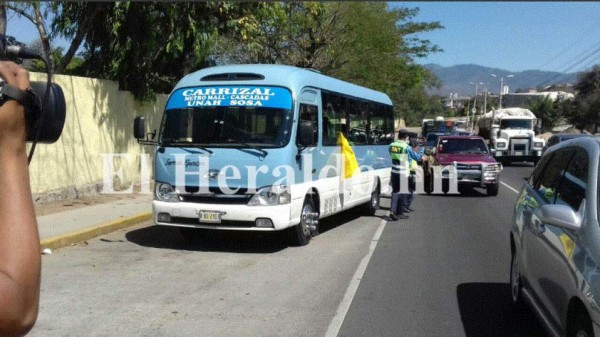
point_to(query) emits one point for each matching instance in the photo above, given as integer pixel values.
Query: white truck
(511, 133)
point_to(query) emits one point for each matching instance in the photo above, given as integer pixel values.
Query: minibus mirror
(305, 133)
(139, 127)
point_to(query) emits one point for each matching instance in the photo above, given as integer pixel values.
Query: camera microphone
(46, 109)
(22, 52)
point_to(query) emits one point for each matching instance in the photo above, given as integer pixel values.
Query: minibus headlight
(165, 192)
(538, 144)
(271, 196)
(500, 145)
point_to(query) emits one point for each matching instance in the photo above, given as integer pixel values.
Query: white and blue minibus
(255, 148)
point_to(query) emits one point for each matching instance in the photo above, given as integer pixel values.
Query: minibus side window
(309, 113)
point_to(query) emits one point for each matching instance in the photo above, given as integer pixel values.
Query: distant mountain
(458, 79)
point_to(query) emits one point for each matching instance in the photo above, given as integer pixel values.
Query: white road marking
(510, 187)
(338, 319)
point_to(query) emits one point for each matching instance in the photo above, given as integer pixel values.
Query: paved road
(444, 273)
(149, 282)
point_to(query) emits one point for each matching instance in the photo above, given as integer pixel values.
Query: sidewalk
(65, 223)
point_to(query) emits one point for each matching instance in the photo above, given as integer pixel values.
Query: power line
(574, 62)
(581, 37)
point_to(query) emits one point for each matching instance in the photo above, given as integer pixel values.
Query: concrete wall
(99, 120)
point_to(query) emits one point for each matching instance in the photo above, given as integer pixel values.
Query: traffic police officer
(400, 170)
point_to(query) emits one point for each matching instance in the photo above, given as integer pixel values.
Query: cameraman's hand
(20, 259)
(12, 114)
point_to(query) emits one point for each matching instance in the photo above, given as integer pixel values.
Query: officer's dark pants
(411, 186)
(399, 200)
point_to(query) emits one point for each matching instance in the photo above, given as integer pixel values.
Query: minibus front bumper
(225, 217)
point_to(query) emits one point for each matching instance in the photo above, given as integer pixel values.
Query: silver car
(555, 240)
(562, 137)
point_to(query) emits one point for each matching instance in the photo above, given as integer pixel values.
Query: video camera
(45, 108)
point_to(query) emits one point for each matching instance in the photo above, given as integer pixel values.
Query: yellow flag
(350, 162)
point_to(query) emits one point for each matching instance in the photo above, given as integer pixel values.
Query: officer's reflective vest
(399, 154)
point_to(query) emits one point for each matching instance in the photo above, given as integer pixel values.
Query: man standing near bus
(415, 156)
(399, 153)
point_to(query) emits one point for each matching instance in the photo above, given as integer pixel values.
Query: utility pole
(501, 89)
(485, 100)
(472, 121)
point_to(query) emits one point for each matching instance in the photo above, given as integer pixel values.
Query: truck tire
(492, 190)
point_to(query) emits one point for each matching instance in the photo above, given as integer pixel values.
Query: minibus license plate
(214, 217)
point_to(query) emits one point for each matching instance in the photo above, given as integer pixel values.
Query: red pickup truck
(461, 161)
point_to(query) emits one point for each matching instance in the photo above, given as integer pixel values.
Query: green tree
(75, 20)
(584, 110)
(146, 46)
(588, 99)
(376, 46)
(35, 12)
(293, 33)
(545, 109)
(361, 42)
(571, 111)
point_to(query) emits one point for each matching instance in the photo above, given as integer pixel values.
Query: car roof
(571, 135)
(459, 137)
(589, 143)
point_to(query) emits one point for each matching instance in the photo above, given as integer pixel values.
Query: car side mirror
(139, 131)
(305, 133)
(562, 216)
(139, 127)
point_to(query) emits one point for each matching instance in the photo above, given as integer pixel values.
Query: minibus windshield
(243, 116)
(227, 126)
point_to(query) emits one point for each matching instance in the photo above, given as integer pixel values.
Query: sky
(513, 36)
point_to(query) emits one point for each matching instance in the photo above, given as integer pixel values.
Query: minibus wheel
(301, 234)
(372, 205)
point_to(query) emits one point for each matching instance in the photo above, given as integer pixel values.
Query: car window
(546, 185)
(431, 139)
(460, 145)
(539, 169)
(573, 184)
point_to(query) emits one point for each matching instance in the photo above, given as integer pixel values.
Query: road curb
(92, 232)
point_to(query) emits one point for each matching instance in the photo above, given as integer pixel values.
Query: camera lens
(49, 125)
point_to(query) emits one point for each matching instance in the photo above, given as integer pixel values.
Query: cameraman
(20, 261)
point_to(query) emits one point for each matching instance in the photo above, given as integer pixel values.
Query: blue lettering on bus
(269, 97)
